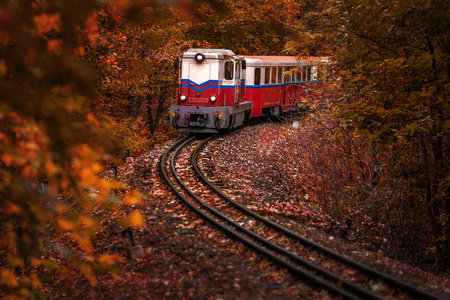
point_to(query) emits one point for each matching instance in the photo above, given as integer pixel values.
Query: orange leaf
(92, 120)
(80, 51)
(136, 219)
(87, 221)
(12, 209)
(86, 270)
(84, 242)
(8, 278)
(65, 224)
(47, 22)
(54, 46)
(50, 168)
(90, 31)
(7, 159)
(108, 259)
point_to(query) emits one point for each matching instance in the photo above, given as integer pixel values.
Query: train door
(230, 82)
(237, 82)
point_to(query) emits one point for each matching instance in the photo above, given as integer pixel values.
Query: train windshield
(199, 73)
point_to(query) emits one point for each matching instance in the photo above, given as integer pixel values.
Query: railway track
(279, 244)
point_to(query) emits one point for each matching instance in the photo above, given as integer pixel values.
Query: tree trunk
(154, 114)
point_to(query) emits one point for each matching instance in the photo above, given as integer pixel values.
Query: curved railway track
(277, 243)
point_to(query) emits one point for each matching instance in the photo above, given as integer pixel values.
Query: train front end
(211, 88)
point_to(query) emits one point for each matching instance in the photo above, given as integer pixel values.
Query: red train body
(218, 89)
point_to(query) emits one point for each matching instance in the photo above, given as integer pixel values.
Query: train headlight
(199, 57)
(183, 97)
(213, 98)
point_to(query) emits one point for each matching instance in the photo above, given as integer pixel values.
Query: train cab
(211, 91)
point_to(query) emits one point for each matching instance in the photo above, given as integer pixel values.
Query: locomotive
(218, 89)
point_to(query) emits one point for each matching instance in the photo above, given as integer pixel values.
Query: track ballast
(266, 237)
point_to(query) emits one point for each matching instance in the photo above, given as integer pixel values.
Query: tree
(49, 144)
(391, 70)
(137, 76)
(257, 27)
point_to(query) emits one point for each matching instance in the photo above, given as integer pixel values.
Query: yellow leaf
(35, 282)
(136, 219)
(87, 221)
(132, 199)
(87, 176)
(8, 278)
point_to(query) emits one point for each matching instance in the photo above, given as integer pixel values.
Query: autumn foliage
(50, 145)
(390, 76)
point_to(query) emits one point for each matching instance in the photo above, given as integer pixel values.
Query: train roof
(211, 53)
(204, 50)
(288, 61)
(281, 60)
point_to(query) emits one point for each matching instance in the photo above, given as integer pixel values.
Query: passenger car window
(257, 80)
(287, 76)
(273, 77)
(266, 75)
(299, 75)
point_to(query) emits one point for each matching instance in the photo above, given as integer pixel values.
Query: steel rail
(392, 280)
(291, 267)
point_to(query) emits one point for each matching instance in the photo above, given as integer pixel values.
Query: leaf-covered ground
(185, 258)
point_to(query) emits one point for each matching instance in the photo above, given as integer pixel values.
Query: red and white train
(220, 90)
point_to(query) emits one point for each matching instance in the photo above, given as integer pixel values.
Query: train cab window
(266, 75)
(238, 70)
(257, 78)
(273, 76)
(303, 74)
(229, 70)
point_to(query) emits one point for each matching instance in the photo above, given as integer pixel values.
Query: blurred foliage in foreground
(49, 145)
